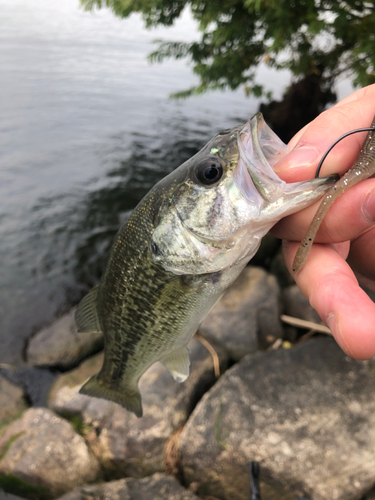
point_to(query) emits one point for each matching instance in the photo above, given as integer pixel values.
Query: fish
(183, 245)
(362, 168)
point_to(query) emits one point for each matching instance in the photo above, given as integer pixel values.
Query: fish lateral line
(362, 168)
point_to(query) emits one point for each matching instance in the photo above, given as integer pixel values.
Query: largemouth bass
(362, 168)
(184, 244)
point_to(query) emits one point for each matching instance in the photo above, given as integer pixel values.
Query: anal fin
(87, 319)
(177, 363)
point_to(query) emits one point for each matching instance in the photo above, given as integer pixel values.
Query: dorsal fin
(87, 319)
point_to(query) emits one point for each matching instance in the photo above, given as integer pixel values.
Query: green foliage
(323, 37)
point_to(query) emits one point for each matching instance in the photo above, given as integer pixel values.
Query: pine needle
(211, 350)
(308, 325)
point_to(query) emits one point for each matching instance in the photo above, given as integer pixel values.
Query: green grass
(9, 444)
(4, 424)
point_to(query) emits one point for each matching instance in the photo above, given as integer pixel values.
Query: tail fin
(129, 399)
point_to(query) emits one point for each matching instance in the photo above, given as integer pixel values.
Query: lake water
(86, 128)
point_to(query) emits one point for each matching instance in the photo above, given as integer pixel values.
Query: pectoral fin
(177, 363)
(87, 319)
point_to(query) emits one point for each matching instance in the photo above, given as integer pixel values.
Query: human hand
(344, 253)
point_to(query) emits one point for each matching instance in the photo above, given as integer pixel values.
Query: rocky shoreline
(301, 408)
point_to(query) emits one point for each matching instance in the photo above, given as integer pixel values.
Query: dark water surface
(86, 128)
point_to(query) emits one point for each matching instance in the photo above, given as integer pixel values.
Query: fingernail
(368, 206)
(301, 156)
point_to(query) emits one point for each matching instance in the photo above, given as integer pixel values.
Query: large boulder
(60, 345)
(41, 456)
(307, 414)
(12, 401)
(124, 444)
(158, 486)
(247, 317)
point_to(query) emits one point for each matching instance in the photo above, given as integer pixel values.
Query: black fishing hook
(254, 480)
(365, 129)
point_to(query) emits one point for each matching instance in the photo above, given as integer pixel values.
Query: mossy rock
(12, 403)
(13, 484)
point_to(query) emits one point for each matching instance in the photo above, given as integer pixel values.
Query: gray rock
(124, 444)
(279, 269)
(307, 414)
(60, 345)
(158, 486)
(12, 402)
(75, 377)
(370, 495)
(41, 456)
(298, 306)
(247, 316)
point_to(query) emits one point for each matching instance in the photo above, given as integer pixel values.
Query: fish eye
(209, 171)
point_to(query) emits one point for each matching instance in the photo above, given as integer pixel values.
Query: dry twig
(211, 350)
(309, 325)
